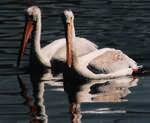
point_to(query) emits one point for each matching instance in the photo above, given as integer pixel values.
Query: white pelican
(54, 50)
(111, 62)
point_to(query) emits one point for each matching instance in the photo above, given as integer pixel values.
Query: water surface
(121, 24)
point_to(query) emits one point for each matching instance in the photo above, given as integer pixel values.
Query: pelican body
(109, 62)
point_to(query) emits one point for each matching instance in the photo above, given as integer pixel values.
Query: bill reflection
(35, 103)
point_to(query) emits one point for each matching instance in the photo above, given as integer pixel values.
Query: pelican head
(69, 16)
(34, 11)
(33, 15)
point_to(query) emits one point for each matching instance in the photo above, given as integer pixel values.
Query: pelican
(109, 62)
(54, 50)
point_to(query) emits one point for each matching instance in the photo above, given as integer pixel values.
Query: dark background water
(122, 24)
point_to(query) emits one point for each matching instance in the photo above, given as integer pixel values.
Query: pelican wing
(112, 61)
(108, 60)
(86, 59)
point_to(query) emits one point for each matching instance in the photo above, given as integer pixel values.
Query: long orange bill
(69, 45)
(27, 34)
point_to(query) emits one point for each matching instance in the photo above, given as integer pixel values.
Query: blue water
(121, 24)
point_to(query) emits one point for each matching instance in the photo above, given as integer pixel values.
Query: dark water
(122, 24)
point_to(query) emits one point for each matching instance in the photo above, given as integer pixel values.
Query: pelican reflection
(35, 101)
(103, 91)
